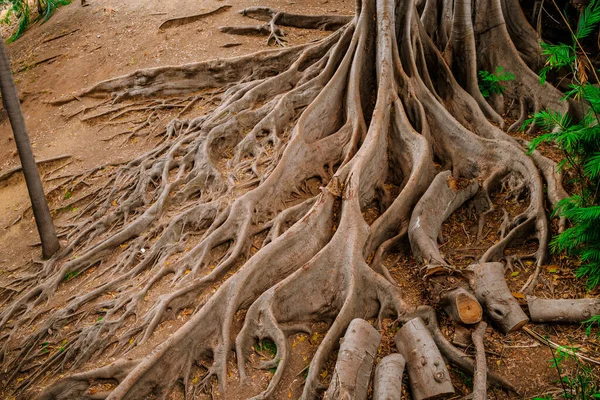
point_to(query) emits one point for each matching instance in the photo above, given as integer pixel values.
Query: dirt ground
(109, 38)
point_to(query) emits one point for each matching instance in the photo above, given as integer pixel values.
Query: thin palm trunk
(10, 99)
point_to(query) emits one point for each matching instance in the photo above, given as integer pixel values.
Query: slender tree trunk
(10, 99)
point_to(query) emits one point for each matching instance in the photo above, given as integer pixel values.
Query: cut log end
(462, 306)
(492, 291)
(468, 309)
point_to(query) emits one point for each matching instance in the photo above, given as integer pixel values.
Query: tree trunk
(39, 205)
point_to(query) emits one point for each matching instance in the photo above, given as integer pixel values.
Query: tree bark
(355, 362)
(427, 372)
(493, 293)
(39, 205)
(562, 310)
(480, 378)
(388, 378)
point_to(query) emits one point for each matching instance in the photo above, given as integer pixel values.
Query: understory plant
(579, 142)
(578, 382)
(20, 11)
(491, 82)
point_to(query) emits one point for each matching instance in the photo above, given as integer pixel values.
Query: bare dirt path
(110, 38)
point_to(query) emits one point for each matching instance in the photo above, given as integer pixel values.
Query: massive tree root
(275, 210)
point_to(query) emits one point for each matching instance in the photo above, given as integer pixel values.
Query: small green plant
(71, 275)
(44, 347)
(266, 346)
(579, 382)
(467, 379)
(490, 82)
(595, 320)
(20, 10)
(579, 143)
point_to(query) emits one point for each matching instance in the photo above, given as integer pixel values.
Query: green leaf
(588, 20)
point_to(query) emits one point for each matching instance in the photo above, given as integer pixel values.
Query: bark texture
(562, 310)
(387, 384)
(427, 373)
(39, 205)
(480, 378)
(277, 209)
(355, 362)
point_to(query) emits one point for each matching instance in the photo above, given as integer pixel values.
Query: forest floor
(109, 38)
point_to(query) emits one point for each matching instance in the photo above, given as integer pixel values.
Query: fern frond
(559, 55)
(588, 20)
(592, 166)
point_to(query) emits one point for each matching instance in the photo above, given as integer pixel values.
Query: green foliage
(48, 7)
(20, 11)
(565, 55)
(589, 19)
(595, 320)
(580, 145)
(490, 82)
(71, 275)
(558, 56)
(580, 382)
(266, 346)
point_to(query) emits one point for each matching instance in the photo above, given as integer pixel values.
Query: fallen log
(427, 373)
(562, 310)
(387, 384)
(355, 362)
(488, 283)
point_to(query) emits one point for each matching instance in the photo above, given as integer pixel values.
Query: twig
(174, 22)
(59, 36)
(12, 171)
(480, 377)
(555, 346)
(576, 40)
(36, 63)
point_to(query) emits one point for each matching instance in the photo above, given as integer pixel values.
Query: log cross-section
(427, 373)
